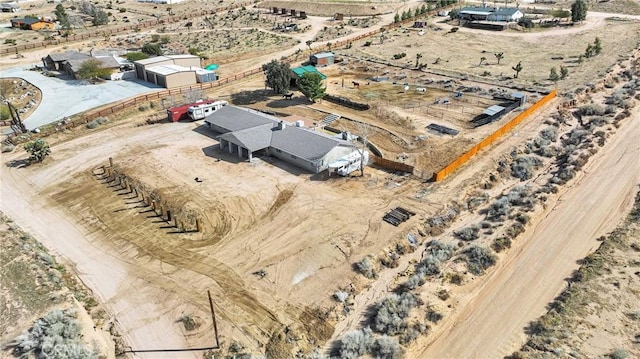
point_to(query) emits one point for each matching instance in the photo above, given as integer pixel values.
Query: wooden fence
(439, 176)
(392, 165)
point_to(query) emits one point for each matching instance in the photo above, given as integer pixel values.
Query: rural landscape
(320, 179)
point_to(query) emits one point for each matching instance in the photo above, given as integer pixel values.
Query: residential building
(245, 133)
(491, 14)
(32, 23)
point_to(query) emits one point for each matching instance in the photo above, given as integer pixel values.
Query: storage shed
(322, 59)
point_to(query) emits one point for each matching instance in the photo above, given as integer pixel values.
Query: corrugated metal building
(173, 70)
(322, 59)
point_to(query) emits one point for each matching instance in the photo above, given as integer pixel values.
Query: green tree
(589, 51)
(418, 57)
(100, 18)
(135, 56)
(578, 11)
(152, 49)
(597, 46)
(92, 69)
(454, 13)
(499, 56)
(553, 74)
(396, 18)
(482, 59)
(564, 72)
(62, 17)
(310, 84)
(4, 112)
(517, 69)
(38, 149)
(309, 42)
(278, 76)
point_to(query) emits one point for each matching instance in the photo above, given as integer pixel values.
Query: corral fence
(346, 102)
(118, 29)
(440, 175)
(391, 165)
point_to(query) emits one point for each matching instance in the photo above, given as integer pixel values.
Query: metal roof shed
(299, 71)
(493, 110)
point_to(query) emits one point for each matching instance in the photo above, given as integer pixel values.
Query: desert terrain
(301, 265)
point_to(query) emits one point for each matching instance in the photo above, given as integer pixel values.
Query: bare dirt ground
(304, 232)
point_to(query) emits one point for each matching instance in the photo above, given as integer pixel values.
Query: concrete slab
(64, 98)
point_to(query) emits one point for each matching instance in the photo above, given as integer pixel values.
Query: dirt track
(517, 290)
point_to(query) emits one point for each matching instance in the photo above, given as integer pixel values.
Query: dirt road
(518, 289)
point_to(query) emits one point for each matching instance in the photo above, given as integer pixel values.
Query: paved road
(63, 98)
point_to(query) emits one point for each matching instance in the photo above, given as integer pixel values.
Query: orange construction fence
(439, 176)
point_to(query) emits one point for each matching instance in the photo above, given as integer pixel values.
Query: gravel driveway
(63, 98)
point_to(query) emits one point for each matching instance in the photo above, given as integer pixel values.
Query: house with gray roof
(246, 133)
(486, 13)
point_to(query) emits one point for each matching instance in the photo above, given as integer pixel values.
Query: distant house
(9, 7)
(32, 23)
(490, 14)
(70, 62)
(245, 132)
(173, 70)
(322, 59)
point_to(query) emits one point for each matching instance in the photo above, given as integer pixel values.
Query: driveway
(64, 98)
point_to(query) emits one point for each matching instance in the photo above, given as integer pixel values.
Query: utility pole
(213, 316)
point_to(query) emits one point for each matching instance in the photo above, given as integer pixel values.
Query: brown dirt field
(329, 8)
(304, 231)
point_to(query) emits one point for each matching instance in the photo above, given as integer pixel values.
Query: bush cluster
(523, 167)
(436, 253)
(390, 315)
(479, 259)
(468, 233)
(366, 267)
(56, 335)
(359, 343)
(503, 206)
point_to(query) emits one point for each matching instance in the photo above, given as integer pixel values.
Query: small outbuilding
(9, 7)
(172, 70)
(322, 59)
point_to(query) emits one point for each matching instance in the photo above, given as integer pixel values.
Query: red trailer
(180, 113)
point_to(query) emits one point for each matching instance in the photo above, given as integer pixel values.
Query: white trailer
(349, 163)
(201, 111)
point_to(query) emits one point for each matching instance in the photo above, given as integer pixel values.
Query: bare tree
(364, 131)
(193, 95)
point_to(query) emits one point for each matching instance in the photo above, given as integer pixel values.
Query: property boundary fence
(440, 175)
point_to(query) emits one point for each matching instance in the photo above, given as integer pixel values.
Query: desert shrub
(550, 133)
(356, 344)
(368, 43)
(443, 294)
(7, 147)
(468, 233)
(522, 218)
(440, 251)
(188, 322)
(412, 333)
(91, 125)
(591, 110)
(501, 243)
(514, 230)
(499, 209)
(619, 353)
(390, 315)
(433, 315)
(399, 56)
(56, 335)
(524, 166)
(386, 348)
(366, 267)
(415, 280)
(479, 259)
(437, 223)
(477, 201)
(609, 109)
